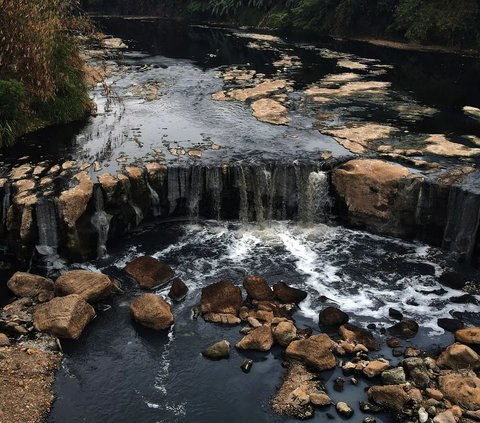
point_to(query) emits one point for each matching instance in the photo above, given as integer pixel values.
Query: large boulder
(406, 329)
(258, 339)
(152, 312)
(24, 284)
(222, 297)
(453, 280)
(462, 389)
(258, 288)
(149, 272)
(287, 294)
(459, 356)
(315, 351)
(469, 336)
(284, 333)
(392, 397)
(217, 351)
(91, 286)
(417, 370)
(64, 317)
(332, 316)
(379, 195)
(351, 333)
(178, 290)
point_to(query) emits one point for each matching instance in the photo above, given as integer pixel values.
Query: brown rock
(445, 417)
(406, 328)
(284, 333)
(221, 297)
(152, 312)
(27, 285)
(91, 286)
(217, 351)
(434, 393)
(258, 339)
(332, 316)
(149, 272)
(258, 288)
(64, 317)
(462, 389)
(4, 341)
(314, 351)
(390, 396)
(178, 291)
(320, 400)
(287, 294)
(351, 333)
(223, 318)
(375, 368)
(469, 336)
(459, 356)
(264, 316)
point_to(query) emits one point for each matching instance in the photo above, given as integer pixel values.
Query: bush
(12, 95)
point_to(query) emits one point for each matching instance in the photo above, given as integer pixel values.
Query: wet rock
(462, 389)
(264, 316)
(470, 336)
(339, 384)
(314, 351)
(445, 417)
(417, 370)
(178, 290)
(218, 350)
(344, 409)
(4, 341)
(450, 325)
(422, 415)
(270, 111)
(287, 294)
(300, 396)
(223, 318)
(221, 297)
(64, 317)
(412, 352)
(351, 333)
(394, 342)
(254, 323)
(149, 272)
(320, 399)
(369, 419)
(258, 288)
(464, 299)
(284, 333)
(368, 407)
(394, 376)
(395, 314)
(27, 285)
(459, 356)
(453, 280)
(406, 329)
(258, 339)
(247, 366)
(91, 286)
(152, 312)
(375, 368)
(434, 393)
(392, 397)
(332, 316)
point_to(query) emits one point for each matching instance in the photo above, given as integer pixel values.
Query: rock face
(149, 272)
(178, 290)
(462, 389)
(469, 336)
(287, 294)
(314, 351)
(152, 312)
(351, 333)
(217, 351)
(379, 195)
(27, 285)
(258, 288)
(64, 317)
(332, 316)
(459, 356)
(258, 339)
(221, 297)
(284, 333)
(91, 286)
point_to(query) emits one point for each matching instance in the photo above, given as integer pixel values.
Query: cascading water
(101, 222)
(195, 193)
(6, 201)
(154, 200)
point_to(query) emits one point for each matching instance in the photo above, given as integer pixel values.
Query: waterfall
(154, 200)
(195, 192)
(314, 200)
(242, 190)
(214, 188)
(100, 221)
(6, 201)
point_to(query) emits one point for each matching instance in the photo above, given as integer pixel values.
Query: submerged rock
(91, 286)
(332, 316)
(287, 294)
(405, 328)
(64, 317)
(258, 339)
(178, 290)
(450, 325)
(258, 288)
(315, 351)
(149, 272)
(152, 312)
(351, 333)
(218, 350)
(453, 280)
(221, 297)
(24, 284)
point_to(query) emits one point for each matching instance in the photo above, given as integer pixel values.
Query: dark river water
(119, 372)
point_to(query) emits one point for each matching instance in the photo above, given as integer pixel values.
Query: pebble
(344, 409)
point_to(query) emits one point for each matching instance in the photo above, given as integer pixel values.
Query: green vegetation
(41, 72)
(444, 22)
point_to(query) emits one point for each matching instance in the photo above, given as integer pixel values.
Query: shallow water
(120, 372)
